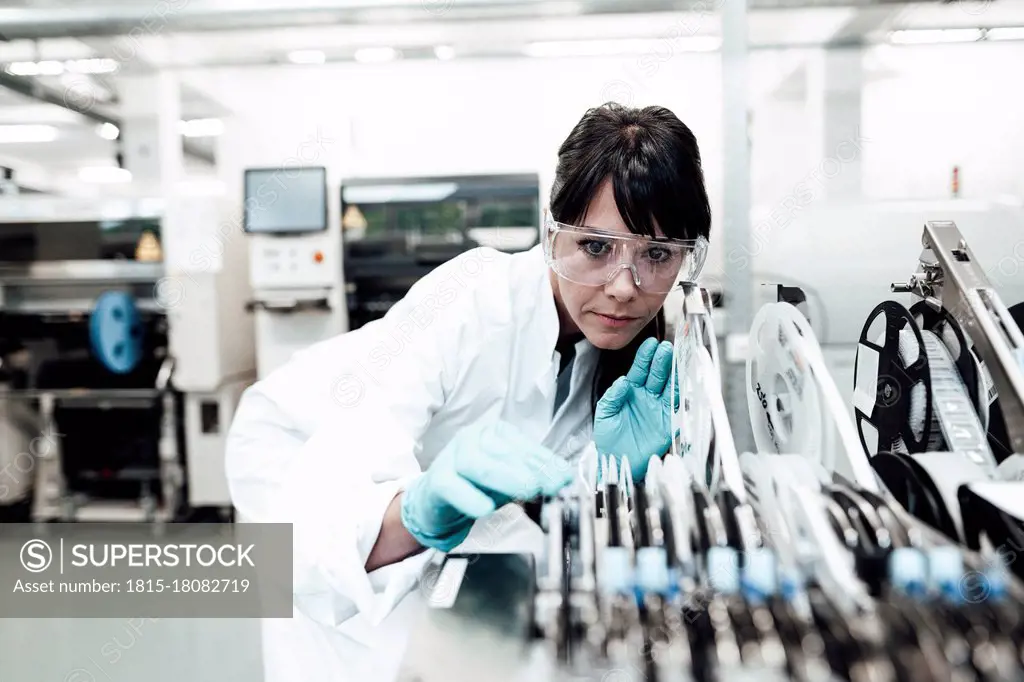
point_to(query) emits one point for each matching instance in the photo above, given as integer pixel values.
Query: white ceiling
(199, 34)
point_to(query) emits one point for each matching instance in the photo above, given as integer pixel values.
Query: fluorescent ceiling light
(55, 68)
(598, 48)
(202, 127)
(307, 57)
(23, 69)
(104, 175)
(44, 68)
(1005, 33)
(444, 52)
(931, 36)
(91, 65)
(13, 134)
(382, 194)
(108, 131)
(369, 55)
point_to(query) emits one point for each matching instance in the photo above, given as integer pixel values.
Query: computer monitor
(285, 200)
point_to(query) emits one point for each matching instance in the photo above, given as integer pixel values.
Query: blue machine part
(760, 575)
(723, 566)
(908, 570)
(616, 575)
(945, 570)
(115, 332)
(652, 573)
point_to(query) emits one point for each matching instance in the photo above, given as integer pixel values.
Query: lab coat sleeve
(327, 441)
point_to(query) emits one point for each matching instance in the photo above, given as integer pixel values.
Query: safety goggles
(593, 257)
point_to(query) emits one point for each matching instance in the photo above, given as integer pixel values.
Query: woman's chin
(606, 339)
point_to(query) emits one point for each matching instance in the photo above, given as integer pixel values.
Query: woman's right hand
(633, 419)
(484, 467)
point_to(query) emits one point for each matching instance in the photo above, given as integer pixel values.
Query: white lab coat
(328, 440)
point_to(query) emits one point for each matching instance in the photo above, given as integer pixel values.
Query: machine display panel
(285, 200)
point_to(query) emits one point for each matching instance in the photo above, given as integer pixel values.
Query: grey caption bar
(136, 570)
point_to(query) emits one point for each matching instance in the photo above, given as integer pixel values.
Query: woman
(480, 387)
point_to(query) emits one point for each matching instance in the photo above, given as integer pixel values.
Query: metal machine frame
(949, 277)
(198, 378)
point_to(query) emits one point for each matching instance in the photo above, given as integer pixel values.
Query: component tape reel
(692, 420)
(920, 402)
(786, 409)
(691, 417)
(892, 396)
(794, 405)
(968, 364)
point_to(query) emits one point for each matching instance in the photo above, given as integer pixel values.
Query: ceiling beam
(32, 88)
(168, 16)
(850, 34)
(30, 177)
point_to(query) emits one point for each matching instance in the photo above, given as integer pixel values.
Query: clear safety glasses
(594, 257)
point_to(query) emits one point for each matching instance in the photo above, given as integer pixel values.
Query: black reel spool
(913, 487)
(890, 415)
(937, 322)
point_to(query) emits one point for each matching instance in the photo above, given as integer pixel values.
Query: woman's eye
(594, 247)
(658, 254)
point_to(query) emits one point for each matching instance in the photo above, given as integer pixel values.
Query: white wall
(945, 106)
(460, 117)
(925, 109)
(473, 116)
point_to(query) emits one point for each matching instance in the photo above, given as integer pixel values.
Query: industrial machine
(939, 396)
(296, 269)
(806, 559)
(396, 230)
(123, 352)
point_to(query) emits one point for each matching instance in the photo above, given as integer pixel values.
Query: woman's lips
(616, 322)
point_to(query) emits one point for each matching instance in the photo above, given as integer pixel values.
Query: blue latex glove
(484, 467)
(633, 418)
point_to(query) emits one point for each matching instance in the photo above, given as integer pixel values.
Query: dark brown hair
(654, 165)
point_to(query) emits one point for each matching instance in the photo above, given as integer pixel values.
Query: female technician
(480, 387)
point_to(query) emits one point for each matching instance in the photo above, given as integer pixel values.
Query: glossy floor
(122, 650)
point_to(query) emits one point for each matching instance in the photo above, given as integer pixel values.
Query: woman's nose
(622, 285)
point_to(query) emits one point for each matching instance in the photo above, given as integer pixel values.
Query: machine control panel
(293, 262)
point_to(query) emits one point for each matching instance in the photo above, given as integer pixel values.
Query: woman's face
(612, 314)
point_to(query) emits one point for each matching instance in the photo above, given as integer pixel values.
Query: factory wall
(420, 118)
(924, 110)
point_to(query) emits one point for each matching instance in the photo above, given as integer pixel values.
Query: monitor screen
(291, 200)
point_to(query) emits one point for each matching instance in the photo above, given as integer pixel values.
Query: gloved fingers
(638, 469)
(613, 399)
(513, 477)
(462, 494)
(553, 473)
(661, 367)
(508, 461)
(522, 457)
(504, 443)
(637, 374)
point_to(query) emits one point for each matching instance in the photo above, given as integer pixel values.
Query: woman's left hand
(633, 418)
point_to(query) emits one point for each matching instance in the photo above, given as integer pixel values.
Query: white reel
(793, 402)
